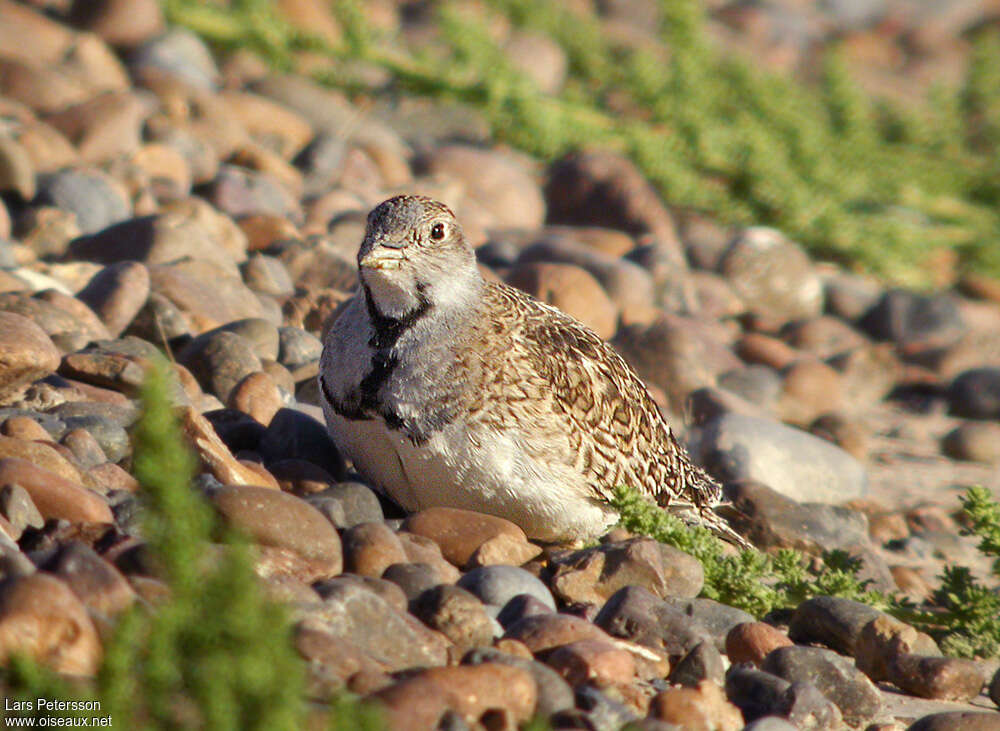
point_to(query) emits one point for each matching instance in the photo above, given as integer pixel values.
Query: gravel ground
(156, 200)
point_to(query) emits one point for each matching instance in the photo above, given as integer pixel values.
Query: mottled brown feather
(580, 388)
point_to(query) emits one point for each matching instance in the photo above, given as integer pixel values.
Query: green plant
(970, 623)
(754, 581)
(217, 654)
(863, 182)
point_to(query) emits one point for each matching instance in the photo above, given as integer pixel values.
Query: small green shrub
(751, 580)
(970, 623)
(218, 653)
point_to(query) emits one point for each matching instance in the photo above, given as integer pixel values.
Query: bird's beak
(381, 257)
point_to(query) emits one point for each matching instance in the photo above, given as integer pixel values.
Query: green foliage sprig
(751, 580)
(970, 623)
(216, 654)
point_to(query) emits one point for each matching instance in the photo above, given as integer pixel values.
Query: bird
(446, 389)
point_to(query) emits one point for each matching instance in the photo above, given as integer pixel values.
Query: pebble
(554, 693)
(462, 534)
(809, 388)
(594, 574)
(471, 691)
(44, 455)
(178, 53)
(219, 360)
(214, 456)
(42, 618)
(293, 434)
(18, 509)
(602, 188)
(717, 618)
(571, 289)
(95, 199)
(637, 615)
(273, 518)
(702, 662)
(412, 578)
(297, 347)
(55, 496)
(520, 606)
(772, 274)
(494, 181)
(204, 293)
(458, 614)
(387, 590)
(26, 354)
(98, 584)
(397, 640)
(913, 321)
(793, 462)
(832, 621)
(597, 662)
(370, 548)
(627, 284)
(940, 678)
(332, 661)
(701, 707)
(351, 503)
(975, 394)
(973, 441)
(957, 721)
(676, 354)
(543, 632)
(759, 694)
(753, 641)
(256, 395)
(498, 585)
(771, 520)
(85, 448)
(835, 676)
(823, 337)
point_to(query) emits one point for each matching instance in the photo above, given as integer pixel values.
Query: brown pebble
(26, 353)
(460, 533)
(370, 548)
(41, 617)
(110, 476)
(939, 678)
(419, 549)
(752, 641)
(882, 639)
(469, 690)
(703, 708)
(541, 632)
(593, 661)
(117, 293)
(277, 519)
(215, 456)
(24, 427)
(98, 584)
(46, 455)
(766, 350)
(513, 647)
(336, 655)
(54, 496)
(258, 396)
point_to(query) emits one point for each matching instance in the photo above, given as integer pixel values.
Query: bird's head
(414, 254)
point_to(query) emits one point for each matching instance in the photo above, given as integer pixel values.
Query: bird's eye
(437, 231)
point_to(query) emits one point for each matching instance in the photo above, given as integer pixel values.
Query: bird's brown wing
(582, 388)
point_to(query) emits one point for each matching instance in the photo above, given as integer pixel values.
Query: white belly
(473, 468)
